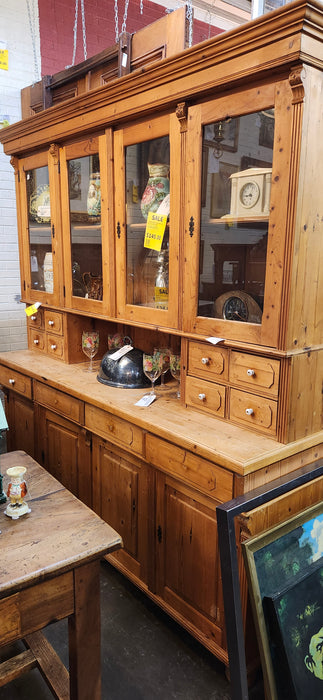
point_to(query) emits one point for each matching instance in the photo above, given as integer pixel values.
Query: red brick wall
(56, 21)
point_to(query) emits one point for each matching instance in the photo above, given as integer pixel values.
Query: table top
(58, 534)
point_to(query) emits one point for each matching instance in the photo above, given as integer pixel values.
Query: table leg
(84, 634)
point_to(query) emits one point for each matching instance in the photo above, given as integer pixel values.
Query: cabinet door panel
(64, 449)
(188, 569)
(120, 498)
(21, 424)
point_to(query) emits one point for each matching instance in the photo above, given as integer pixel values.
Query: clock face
(235, 309)
(249, 194)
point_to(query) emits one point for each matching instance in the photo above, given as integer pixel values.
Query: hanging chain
(116, 20)
(125, 14)
(141, 7)
(75, 30)
(189, 16)
(83, 30)
(33, 31)
(123, 28)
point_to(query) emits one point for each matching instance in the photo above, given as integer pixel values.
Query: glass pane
(147, 187)
(235, 200)
(39, 224)
(85, 226)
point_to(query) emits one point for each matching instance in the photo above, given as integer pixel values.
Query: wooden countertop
(39, 545)
(225, 444)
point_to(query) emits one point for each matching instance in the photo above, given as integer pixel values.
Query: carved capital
(181, 113)
(14, 163)
(54, 152)
(295, 81)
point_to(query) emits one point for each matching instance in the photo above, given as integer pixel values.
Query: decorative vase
(156, 189)
(94, 195)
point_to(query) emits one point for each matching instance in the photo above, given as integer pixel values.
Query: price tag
(155, 229)
(146, 400)
(121, 352)
(214, 340)
(33, 309)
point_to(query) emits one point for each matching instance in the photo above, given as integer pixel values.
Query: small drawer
(37, 340)
(53, 322)
(254, 372)
(184, 465)
(253, 411)
(36, 320)
(55, 346)
(16, 381)
(114, 429)
(207, 396)
(63, 404)
(207, 361)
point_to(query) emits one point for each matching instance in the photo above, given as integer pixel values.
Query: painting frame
(255, 551)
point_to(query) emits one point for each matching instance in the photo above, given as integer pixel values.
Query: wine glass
(90, 346)
(164, 353)
(175, 368)
(152, 366)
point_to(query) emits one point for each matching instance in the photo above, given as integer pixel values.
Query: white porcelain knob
(11, 381)
(205, 360)
(36, 341)
(202, 397)
(250, 372)
(53, 347)
(33, 318)
(249, 411)
(50, 323)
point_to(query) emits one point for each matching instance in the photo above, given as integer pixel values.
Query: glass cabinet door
(230, 217)
(146, 213)
(40, 226)
(84, 183)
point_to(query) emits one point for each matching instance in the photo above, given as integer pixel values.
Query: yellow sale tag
(155, 229)
(33, 309)
(4, 60)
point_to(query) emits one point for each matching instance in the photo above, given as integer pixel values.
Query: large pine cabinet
(226, 138)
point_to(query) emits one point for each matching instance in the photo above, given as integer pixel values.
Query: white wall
(15, 36)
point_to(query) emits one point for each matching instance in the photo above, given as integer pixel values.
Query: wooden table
(49, 570)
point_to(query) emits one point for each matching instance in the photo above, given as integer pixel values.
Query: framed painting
(294, 620)
(276, 560)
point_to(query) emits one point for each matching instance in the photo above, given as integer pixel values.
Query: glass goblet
(152, 366)
(90, 346)
(175, 369)
(164, 353)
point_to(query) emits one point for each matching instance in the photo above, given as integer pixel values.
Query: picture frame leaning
(274, 561)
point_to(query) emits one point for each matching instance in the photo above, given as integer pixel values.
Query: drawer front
(36, 320)
(254, 372)
(114, 429)
(185, 466)
(253, 411)
(54, 322)
(207, 396)
(208, 361)
(16, 381)
(37, 340)
(55, 346)
(63, 404)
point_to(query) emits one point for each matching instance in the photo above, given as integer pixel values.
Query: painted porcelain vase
(156, 189)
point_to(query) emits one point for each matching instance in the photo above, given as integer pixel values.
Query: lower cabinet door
(188, 568)
(64, 449)
(120, 497)
(20, 417)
